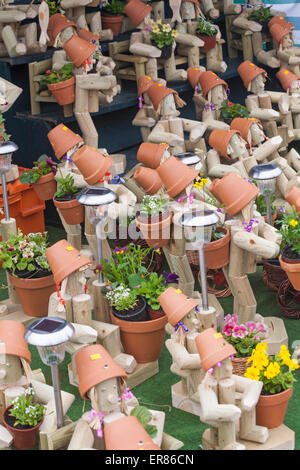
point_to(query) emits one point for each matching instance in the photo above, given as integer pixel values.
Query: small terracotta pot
(278, 31)
(209, 80)
(143, 340)
(217, 252)
(92, 164)
(286, 78)
(127, 433)
(234, 192)
(144, 83)
(62, 139)
(63, 92)
(154, 314)
(58, 23)
(271, 409)
(151, 154)
(34, 294)
(293, 197)
(175, 175)
(193, 74)
(148, 178)
(12, 334)
(24, 439)
(88, 35)
(78, 50)
(45, 187)
(64, 260)
(213, 348)
(219, 140)
(280, 20)
(113, 22)
(136, 11)
(72, 211)
(248, 71)
(209, 41)
(292, 270)
(156, 233)
(176, 304)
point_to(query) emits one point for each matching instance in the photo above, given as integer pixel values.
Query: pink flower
(228, 328)
(260, 327)
(239, 331)
(48, 71)
(232, 319)
(251, 325)
(256, 338)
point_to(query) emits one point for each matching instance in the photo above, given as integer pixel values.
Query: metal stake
(57, 395)
(269, 211)
(203, 278)
(4, 194)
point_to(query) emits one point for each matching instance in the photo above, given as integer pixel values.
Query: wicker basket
(288, 300)
(273, 274)
(239, 365)
(220, 291)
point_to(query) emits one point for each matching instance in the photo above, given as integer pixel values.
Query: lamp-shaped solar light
(189, 158)
(198, 226)
(50, 335)
(6, 150)
(96, 202)
(265, 176)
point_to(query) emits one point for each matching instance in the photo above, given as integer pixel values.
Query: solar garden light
(50, 335)
(189, 158)
(198, 226)
(265, 176)
(6, 150)
(96, 202)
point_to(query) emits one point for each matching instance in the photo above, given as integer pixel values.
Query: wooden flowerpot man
(140, 43)
(190, 44)
(170, 128)
(287, 52)
(210, 92)
(226, 399)
(251, 131)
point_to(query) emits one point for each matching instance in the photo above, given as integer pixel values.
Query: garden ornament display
(287, 52)
(140, 43)
(226, 399)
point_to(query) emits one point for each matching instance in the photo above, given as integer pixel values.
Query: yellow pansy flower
(155, 29)
(272, 370)
(252, 373)
(294, 222)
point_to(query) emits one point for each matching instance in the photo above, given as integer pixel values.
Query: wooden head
(188, 11)
(236, 146)
(8, 94)
(287, 41)
(257, 85)
(257, 134)
(191, 321)
(10, 369)
(168, 107)
(217, 95)
(106, 396)
(145, 22)
(224, 371)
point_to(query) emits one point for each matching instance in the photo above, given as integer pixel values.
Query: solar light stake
(6, 150)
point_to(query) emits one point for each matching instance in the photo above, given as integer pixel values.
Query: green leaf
(151, 430)
(142, 414)
(134, 280)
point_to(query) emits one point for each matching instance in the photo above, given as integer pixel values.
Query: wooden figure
(188, 41)
(140, 43)
(287, 52)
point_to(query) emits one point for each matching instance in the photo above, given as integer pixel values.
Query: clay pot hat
(243, 125)
(213, 348)
(248, 71)
(157, 92)
(175, 175)
(137, 11)
(88, 35)
(127, 433)
(94, 365)
(219, 140)
(64, 260)
(62, 139)
(12, 335)
(151, 154)
(293, 197)
(286, 78)
(176, 304)
(280, 20)
(278, 31)
(233, 191)
(144, 83)
(209, 80)
(149, 179)
(79, 50)
(193, 74)
(58, 23)
(92, 164)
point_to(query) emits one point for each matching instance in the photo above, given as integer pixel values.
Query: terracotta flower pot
(293, 197)
(209, 41)
(45, 187)
(217, 252)
(154, 314)
(175, 175)
(248, 71)
(113, 22)
(136, 11)
(156, 233)
(213, 348)
(176, 304)
(94, 365)
(234, 192)
(193, 74)
(151, 154)
(144, 82)
(292, 270)
(12, 334)
(58, 23)
(209, 80)
(286, 78)
(280, 20)
(72, 211)
(92, 164)
(63, 92)
(278, 31)
(143, 340)
(88, 35)
(78, 50)
(271, 409)
(127, 433)
(219, 140)
(62, 139)
(64, 260)
(243, 126)
(24, 439)
(34, 294)
(148, 178)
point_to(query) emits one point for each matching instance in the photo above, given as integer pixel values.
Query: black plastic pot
(139, 313)
(166, 50)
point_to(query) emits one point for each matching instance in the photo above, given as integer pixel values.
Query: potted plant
(54, 7)
(61, 83)
(150, 289)
(243, 338)
(3, 135)
(163, 37)
(23, 418)
(65, 200)
(127, 304)
(262, 16)
(154, 220)
(229, 111)
(207, 32)
(276, 374)
(290, 252)
(28, 270)
(41, 176)
(112, 16)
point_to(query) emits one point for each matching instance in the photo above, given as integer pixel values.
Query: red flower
(48, 71)
(229, 103)
(219, 279)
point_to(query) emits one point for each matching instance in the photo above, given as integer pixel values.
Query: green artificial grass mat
(156, 391)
